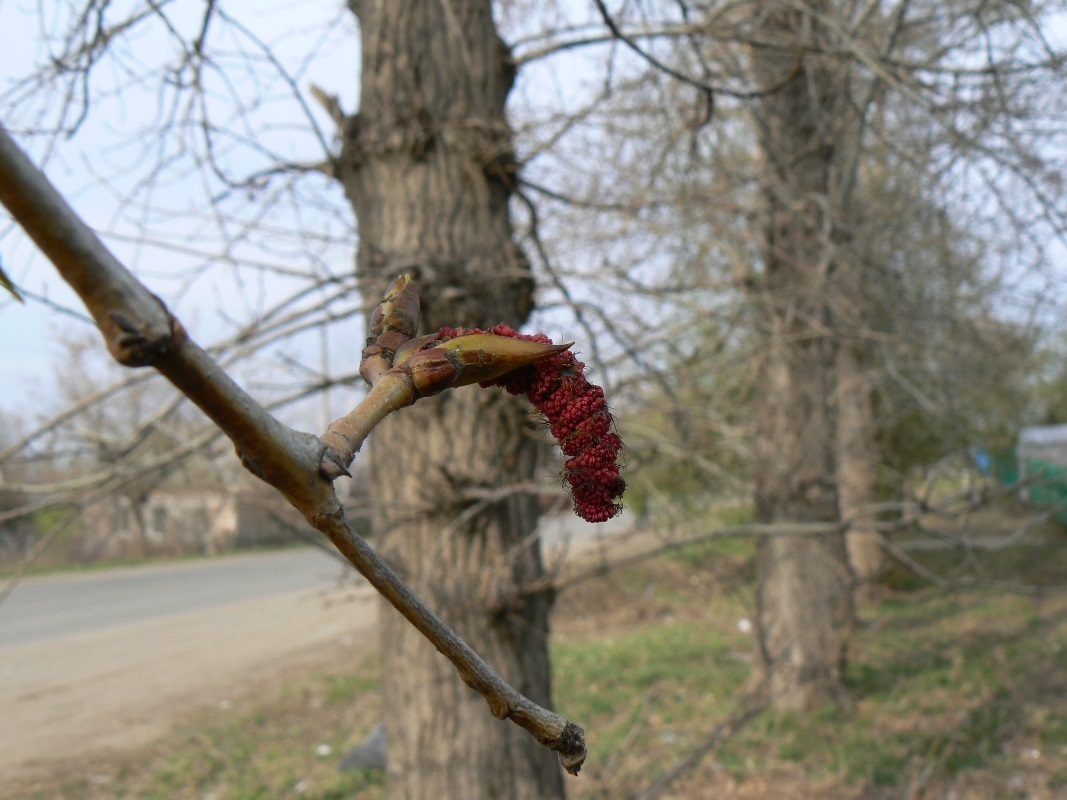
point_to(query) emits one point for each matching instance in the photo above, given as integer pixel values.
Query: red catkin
(578, 418)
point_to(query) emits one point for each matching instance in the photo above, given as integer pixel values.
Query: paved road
(54, 606)
(50, 607)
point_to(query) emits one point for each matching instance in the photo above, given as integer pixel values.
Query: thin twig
(750, 706)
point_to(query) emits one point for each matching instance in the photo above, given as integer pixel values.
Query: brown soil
(102, 693)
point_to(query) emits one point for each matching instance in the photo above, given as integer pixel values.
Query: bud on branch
(393, 322)
(401, 369)
(578, 418)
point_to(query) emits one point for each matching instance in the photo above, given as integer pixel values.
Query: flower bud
(431, 371)
(485, 356)
(578, 416)
(398, 311)
(436, 365)
(409, 348)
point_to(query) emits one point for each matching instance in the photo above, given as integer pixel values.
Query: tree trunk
(857, 471)
(803, 597)
(428, 165)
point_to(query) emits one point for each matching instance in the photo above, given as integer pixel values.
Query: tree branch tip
(571, 748)
(330, 103)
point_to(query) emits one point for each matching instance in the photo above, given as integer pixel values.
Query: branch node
(137, 344)
(498, 704)
(332, 465)
(252, 466)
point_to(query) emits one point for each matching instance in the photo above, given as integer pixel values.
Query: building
(187, 521)
(1042, 456)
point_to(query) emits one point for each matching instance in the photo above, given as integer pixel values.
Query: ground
(954, 694)
(102, 693)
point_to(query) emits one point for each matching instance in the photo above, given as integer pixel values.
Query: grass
(959, 687)
(958, 694)
(286, 745)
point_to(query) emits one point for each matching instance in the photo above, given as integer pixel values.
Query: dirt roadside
(114, 690)
(94, 695)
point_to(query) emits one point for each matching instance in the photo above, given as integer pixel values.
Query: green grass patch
(941, 681)
(948, 683)
(677, 673)
(287, 745)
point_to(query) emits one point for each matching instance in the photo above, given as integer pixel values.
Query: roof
(1043, 435)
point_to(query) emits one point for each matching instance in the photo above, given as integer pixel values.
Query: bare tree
(803, 585)
(823, 142)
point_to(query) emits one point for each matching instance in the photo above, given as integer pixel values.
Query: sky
(102, 168)
(105, 161)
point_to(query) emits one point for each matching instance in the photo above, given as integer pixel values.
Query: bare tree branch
(140, 331)
(750, 706)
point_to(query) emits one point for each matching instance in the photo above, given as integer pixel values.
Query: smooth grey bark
(803, 584)
(427, 165)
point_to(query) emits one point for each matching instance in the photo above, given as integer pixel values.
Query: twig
(604, 566)
(908, 520)
(750, 707)
(139, 330)
(331, 104)
(709, 91)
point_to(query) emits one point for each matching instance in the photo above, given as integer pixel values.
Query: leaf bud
(486, 356)
(431, 371)
(398, 311)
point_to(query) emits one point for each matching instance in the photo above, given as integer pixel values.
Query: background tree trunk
(427, 165)
(803, 585)
(857, 470)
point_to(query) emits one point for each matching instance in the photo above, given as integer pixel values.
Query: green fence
(1047, 486)
(1004, 465)
(1047, 482)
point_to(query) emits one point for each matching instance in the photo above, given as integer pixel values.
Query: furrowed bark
(428, 166)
